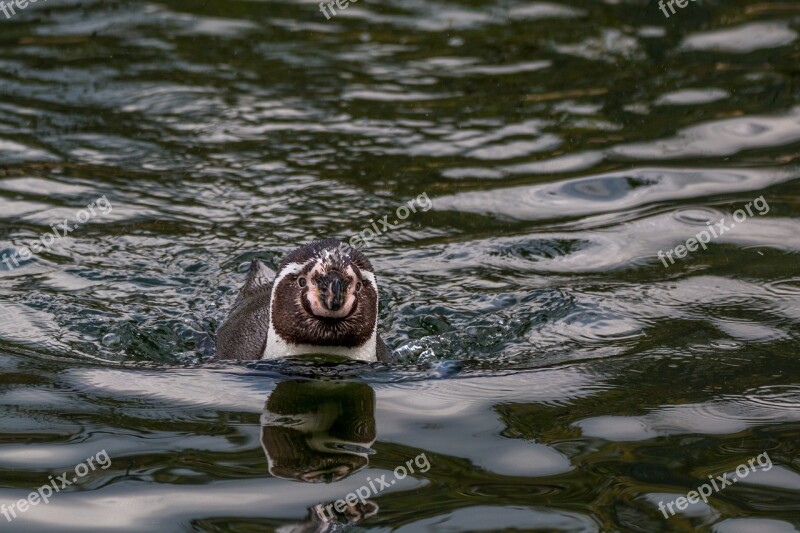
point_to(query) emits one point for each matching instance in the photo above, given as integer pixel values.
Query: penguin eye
(301, 281)
(358, 287)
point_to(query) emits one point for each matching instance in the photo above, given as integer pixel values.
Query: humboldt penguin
(323, 300)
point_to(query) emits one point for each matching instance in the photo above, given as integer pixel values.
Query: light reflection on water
(557, 376)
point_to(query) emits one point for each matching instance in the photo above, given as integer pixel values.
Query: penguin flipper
(382, 352)
(243, 335)
(259, 276)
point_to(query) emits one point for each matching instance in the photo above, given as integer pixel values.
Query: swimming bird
(324, 299)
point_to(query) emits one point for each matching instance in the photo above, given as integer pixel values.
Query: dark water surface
(555, 375)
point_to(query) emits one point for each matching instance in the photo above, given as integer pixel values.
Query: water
(553, 373)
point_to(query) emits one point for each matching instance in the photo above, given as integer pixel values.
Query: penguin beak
(334, 297)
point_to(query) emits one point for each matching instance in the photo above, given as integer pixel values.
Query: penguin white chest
(277, 348)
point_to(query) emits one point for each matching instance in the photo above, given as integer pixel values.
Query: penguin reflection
(318, 431)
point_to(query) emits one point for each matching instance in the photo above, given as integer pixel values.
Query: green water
(553, 374)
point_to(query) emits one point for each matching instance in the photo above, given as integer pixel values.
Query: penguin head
(325, 294)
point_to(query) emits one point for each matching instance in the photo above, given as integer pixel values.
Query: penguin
(323, 299)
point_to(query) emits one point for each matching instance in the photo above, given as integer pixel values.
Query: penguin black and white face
(330, 291)
(325, 294)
